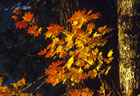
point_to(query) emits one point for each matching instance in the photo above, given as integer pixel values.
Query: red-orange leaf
(54, 30)
(21, 24)
(28, 16)
(15, 17)
(16, 11)
(42, 52)
(33, 30)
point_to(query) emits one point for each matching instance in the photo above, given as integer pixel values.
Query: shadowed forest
(69, 48)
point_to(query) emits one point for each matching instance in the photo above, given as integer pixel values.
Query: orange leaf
(42, 52)
(50, 54)
(90, 26)
(54, 30)
(100, 29)
(28, 16)
(16, 11)
(15, 17)
(33, 30)
(21, 24)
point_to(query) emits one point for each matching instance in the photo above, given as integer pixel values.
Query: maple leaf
(108, 68)
(19, 83)
(42, 52)
(110, 53)
(81, 92)
(54, 30)
(50, 54)
(69, 62)
(28, 16)
(33, 30)
(21, 24)
(90, 26)
(16, 11)
(15, 17)
(100, 29)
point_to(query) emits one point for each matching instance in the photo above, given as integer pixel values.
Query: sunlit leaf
(110, 53)
(54, 30)
(108, 68)
(21, 24)
(33, 30)
(15, 17)
(16, 11)
(42, 52)
(69, 62)
(28, 16)
(100, 29)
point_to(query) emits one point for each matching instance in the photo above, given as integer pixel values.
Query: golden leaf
(110, 53)
(100, 29)
(28, 16)
(33, 30)
(108, 68)
(15, 17)
(69, 62)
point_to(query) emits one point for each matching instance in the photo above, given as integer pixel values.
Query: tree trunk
(129, 58)
(67, 8)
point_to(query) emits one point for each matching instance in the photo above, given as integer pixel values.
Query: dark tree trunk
(67, 8)
(128, 33)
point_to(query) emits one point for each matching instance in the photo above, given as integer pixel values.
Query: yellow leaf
(59, 49)
(108, 68)
(100, 29)
(110, 53)
(80, 70)
(69, 62)
(96, 34)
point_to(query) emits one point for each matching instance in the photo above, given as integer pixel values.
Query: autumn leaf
(100, 29)
(28, 16)
(16, 11)
(15, 17)
(108, 68)
(33, 30)
(90, 26)
(81, 92)
(20, 83)
(69, 62)
(42, 52)
(54, 30)
(50, 54)
(1, 80)
(59, 49)
(110, 53)
(21, 24)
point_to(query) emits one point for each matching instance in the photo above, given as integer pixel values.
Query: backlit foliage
(16, 90)
(26, 21)
(78, 51)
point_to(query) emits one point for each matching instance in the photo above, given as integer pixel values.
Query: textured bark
(128, 27)
(67, 8)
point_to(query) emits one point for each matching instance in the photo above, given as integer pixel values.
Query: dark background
(18, 49)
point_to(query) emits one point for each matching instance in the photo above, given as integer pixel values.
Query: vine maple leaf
(28, 16)
(15, 17)
(21, 24)
(42, 52)
(54, 30)
(16, 11)
(33, 30)
(81, 92)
